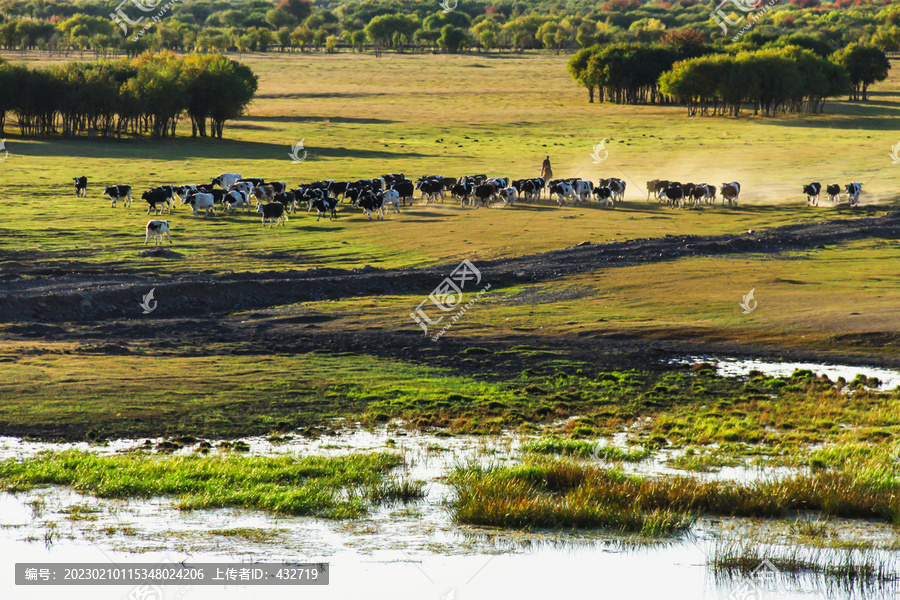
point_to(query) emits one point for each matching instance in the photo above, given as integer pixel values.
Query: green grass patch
(585, 449)
(292, 485)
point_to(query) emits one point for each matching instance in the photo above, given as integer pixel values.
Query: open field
(303, 333)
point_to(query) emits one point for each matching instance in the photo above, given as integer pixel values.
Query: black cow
(80, 185)
(256, 181)
(288, 199)
(158, 199)
(834, 193)
(325, 206)
(673, 195)
(406, 189)
(273, 211)
(812, 193)
(339, 188)
(484, 193)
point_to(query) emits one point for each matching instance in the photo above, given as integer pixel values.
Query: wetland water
(399, 551)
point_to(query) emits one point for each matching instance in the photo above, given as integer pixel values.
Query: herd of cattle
(274, 201)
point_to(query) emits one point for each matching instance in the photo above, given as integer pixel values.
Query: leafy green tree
(453, 39)
(865, 65)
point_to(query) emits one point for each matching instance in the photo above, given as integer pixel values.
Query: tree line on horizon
(147, 95)
(710, 81)
(404, 25)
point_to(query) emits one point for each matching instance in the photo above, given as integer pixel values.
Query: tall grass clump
(564, 493)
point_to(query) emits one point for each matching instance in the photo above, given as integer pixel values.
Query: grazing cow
(392, 200)
(157, 229)
(371, 202)
(273, 211)
(812, 193)
(118, 191)
(853, 191)
(673, 195)
(730, 192)
(604, 196)
(509, 196)
(226, 180)
(158, 199)
(201, 201)
(834, 193)
(237, 198)
(254, 181)
(80, 185)
(430, 189)
(325, 206)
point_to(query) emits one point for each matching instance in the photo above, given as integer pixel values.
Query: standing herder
(546, 171)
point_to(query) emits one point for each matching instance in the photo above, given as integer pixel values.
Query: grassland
(537, 357)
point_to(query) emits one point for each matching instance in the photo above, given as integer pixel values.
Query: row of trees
(709, 80)
(146, 95)
(790, 79)
(261, 25)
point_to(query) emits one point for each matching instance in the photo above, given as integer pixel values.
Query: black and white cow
(812, 193)
(834, 193)
(118, 191)
(80, 185)
(583, 190)
(370, 202)
(273, 211)
(237, 199)
(853, 191)
(157, 229)
(325, 206)
(604, 196)
(431, 189)
(255, 181)
(462, 192)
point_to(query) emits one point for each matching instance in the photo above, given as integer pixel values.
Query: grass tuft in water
(294, 485)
